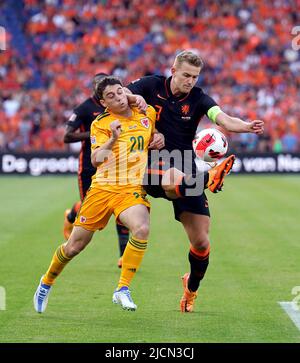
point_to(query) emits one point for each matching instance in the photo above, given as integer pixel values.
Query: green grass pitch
(254, 264)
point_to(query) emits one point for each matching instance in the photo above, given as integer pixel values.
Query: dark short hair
(104, 82)
(97, 78)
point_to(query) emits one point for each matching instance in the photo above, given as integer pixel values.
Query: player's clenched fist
(116, 129)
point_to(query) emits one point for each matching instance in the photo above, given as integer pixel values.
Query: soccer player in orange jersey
(120, 138)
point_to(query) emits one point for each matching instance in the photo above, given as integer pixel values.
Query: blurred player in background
(81, 120)
(119, 140)
(180, 106)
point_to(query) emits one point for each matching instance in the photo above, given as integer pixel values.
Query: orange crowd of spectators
(251, 68)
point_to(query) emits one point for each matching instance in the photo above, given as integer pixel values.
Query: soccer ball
(210, 145)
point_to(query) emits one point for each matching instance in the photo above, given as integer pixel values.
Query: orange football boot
(67, 225)
(188, 298)
(218, 173)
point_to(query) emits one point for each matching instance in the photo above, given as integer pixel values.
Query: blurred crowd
(251, 68)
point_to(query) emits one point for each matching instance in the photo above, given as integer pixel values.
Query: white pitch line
(293, 313)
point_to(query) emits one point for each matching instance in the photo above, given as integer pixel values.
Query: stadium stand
(55, 46)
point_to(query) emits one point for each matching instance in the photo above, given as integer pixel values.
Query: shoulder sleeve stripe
(102, 115)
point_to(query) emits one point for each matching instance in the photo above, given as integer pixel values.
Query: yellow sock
(132, 259)
(59, 261)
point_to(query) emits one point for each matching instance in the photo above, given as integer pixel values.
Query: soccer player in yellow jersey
(120, 138)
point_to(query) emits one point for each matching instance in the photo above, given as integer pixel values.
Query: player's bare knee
(171, 194)
(72, 250)
(170, 179)
(168, 188)
(166, 183)
(201, 242)
(141, 231)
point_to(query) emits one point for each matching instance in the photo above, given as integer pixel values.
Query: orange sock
(59, 261)
(132, 259)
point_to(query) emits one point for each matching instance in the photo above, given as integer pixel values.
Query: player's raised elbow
(69, 135)
(67, 138)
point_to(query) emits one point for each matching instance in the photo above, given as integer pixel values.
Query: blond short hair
(190, 58)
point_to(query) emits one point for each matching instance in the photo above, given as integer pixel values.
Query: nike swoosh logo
(96, 113)
(162, 98)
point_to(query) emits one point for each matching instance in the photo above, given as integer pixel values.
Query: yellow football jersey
(124, 167)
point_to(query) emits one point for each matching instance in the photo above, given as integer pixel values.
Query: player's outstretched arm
(235, 124)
